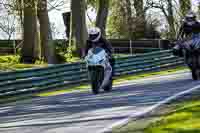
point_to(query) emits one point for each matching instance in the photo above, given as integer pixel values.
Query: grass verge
(181, 116)
(4, 67)
(12, 63)
(185, 118)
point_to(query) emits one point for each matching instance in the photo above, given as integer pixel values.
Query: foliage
(12, 62)
(172, 11)
(185, 6)
(151, 27)
(15, 59)
(123, 19)
(92, 3)
(117, 24)
(120, 25)
(64, 52)
(61, 45)
(9, 59)
(12, 67)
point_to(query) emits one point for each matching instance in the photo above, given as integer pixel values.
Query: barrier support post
(131, 50)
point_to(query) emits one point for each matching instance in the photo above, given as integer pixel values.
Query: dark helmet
(190, 16)
(94, 34)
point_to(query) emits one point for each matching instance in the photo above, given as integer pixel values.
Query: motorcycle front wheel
(96, 74)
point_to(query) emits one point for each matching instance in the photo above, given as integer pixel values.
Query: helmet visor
(190, 18)
(93, 37)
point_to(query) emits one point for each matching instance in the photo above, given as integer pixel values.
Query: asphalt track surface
(83, 112)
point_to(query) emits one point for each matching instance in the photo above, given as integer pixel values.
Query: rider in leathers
(188, 45)
(190, 26)
(189, 34)
(95, 38)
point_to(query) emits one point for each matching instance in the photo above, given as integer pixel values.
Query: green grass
(9, 59)
(185, 118)
(148, 74)
(181, 116)
(121, 55)
(12, 66)
(64, 91)
(11, 63)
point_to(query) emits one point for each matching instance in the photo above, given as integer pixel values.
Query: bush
(61, 46)
(10, 59)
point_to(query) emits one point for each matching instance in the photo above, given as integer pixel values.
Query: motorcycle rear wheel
(108, 88)
(194, 75)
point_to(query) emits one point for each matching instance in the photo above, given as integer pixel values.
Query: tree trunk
(140, 18)
(129, 18)
(66, 19)
(48, 48)
(170, 19)
(185, 6)
(30, 32)
(102, 15)
(78, 27)
(37, 46)
(20, 6)
(199, 9)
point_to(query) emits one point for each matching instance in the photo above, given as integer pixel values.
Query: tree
(7, 25)
(66, 19)
(78, 35)
(10, 19)
(199, 8)
(101, 20)
(185, 6)
(170, 18)
(167, 8)
(48, 49)
(140, 18)
(129, 18)
(151, 27)
(117, 21)
(28, 54)
(91, 3)
(30, 11)
(102, 9)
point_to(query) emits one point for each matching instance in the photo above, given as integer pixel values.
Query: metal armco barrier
(35, 80)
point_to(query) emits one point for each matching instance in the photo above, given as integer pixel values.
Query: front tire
(96, 77)
(94, 84)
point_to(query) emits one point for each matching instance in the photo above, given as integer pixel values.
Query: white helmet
(94, 34)
(190, 16)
